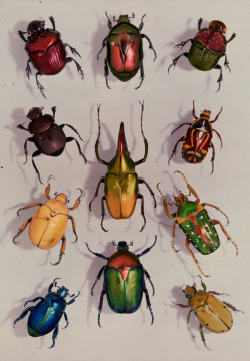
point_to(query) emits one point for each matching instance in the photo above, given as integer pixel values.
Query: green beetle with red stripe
(195, 222)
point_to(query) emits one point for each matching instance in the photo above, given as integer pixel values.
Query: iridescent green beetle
(210, 311)
(121, 180)
(196, 224)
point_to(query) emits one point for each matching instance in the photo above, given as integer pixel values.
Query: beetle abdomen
(43, 319)
(202, 58)
(52, 141)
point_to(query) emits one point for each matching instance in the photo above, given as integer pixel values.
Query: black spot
(207, 324)
(224, 306)
(222, 331)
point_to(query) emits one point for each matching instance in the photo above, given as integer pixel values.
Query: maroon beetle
(48, 137)
(46, 50)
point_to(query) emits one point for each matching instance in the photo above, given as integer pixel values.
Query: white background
(25, 272)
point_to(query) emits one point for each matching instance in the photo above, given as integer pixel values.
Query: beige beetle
(49, 223)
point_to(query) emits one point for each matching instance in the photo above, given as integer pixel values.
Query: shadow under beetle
(197, 141)
(193, 219)
(48, 137)
(208, 46)
(121, 181)
(45, 315)
(49, 223)
(46, 50)
(209, 310)
(124, 49)
(124, 282)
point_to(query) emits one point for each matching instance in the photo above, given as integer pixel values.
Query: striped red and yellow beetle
(193, 219)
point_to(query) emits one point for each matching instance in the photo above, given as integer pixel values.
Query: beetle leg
(140, 196)
(78, 67)
(24, 313)
(97, 279)
(62, 250)
(100, 307)
(21, 229)
(96, 254)
(147, 249)
(52, 20)
(173, 236)
(144, 138)
(53, 284)
(149, 305)
(179, 127)
(103, 213)
(176, 145)
(149, 278)
(34, 300)
(180, 305)
(182, 44)
(187, 242)
(98, 137)
(96, 192)
(232, 307)
(66, 318)
(199, 23)
(213, 157)
(203, 337)
(226, 63)
(73, 50)
(221, 144)
(73, 299)
(28, 70)
(218, 209)
(54, 112)
(142, 23)
(20, 126)
(217, 116)
(77, 202)
(218, 294)
(232, 37)
(193, 112)
(73, 227)
(70, 126)
(69, 139)
(25, 144)
(215, 221)
(142, 181)
(189, 187)
(104, 43)
(39, 85)
(202, 284)
(142, 76)
(109, 21)
(176, 59)
(150, 45)
(20, 33)
(54, 336)
(220, 77)
(106, 72)
(165, 204)
(35, 154)
(29, 206)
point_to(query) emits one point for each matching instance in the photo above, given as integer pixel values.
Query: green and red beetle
(124, 280)
(208, 46)
(124, 49)
(197, 141)
(193, 219)
(49, 223)
(212, 313)
(121, 180)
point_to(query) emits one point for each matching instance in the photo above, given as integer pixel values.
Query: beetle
(208, 46)
(197, 141)
(212, 313)
(121, 180)
(46, 314)
(49, 223)
(124, 49)
(124, 280)
(195, 222)
(46, 50)
(48, 137)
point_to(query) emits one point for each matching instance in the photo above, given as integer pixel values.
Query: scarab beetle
(208, 46)
(124, 280)
(46, 314)
(121, 181)
(212, 313)
(124, 49)
(48, 137)
(197, 141)
(46, 50)
(193, 219)
(49, 223)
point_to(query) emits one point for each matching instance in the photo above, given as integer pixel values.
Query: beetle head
(180, 199)
(61, 197)
(122, 245)
(205, 113)
(34, 113)
(189, 291)
(218, 26)
(124, 18)
(35, 25)
(62, 292)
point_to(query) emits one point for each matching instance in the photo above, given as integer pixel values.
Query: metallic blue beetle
(46, 315)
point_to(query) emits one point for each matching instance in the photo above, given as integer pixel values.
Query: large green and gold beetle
(212, 313)
(124, 280)
(193, 219)
(121, 180)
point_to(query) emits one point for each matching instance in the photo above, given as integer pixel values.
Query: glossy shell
(52, 141)
(198, 227)
(48, 224)
(211, 312)
(124, 50)
(197, 141)
(41, 123)
(46, 315)
(124, 282)
(203, 55)
(47, 52)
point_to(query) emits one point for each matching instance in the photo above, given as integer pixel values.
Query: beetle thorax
(35, 26)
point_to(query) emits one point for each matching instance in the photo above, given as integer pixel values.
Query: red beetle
(46, 50)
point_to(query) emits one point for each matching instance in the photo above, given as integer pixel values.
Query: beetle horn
(122, 143)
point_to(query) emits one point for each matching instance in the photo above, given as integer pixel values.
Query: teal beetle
(193, 219)
(208, 46)
(124, 282)
(121, 180)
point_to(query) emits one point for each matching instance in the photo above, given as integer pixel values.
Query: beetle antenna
(131, 243)
(55, 194)
(132, 17)
(142, 109)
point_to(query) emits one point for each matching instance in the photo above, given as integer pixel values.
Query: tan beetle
(210, 311)
(49, 223)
